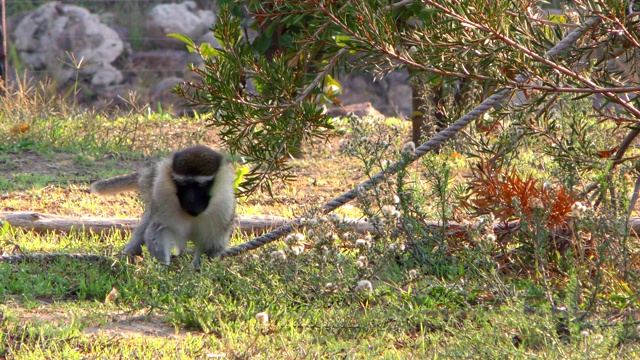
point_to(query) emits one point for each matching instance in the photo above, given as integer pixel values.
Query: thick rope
(328, 207)
(430, 145)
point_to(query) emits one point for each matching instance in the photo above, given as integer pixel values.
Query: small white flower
(409, 148)
(290, 240)
(362, 243)
(490, 237)
(334, 217)
(325, 250)
(598, 338)
(297, 250)
(362, 262)
(548, 185)
(577, 209)
(396, 214)
(413, 273)
(364, 286)
(396, 199)
(262, 317)
(584, 333)
(388, 210)
(278, 255)
(328, 285)
(396, 246)
(313, 222)
(364, 139)
(299, 237)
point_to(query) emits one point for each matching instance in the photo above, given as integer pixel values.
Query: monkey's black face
(194, 195)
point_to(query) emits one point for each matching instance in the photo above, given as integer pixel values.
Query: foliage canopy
(266, 87)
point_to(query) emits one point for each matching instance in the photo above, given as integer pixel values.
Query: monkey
(187, 196)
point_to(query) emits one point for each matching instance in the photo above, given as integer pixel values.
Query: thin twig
(634, 197)
(320, 76)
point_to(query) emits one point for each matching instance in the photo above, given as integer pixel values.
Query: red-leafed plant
(509, 196)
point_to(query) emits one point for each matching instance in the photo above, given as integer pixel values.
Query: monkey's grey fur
(187, 196)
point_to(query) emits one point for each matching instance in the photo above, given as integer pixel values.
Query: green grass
(423, 317)
(441, 297)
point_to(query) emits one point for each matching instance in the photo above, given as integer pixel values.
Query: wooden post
(4, 62)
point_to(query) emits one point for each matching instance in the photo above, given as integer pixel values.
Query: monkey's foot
(132, 249)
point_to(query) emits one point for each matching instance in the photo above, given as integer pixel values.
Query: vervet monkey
(187, 196)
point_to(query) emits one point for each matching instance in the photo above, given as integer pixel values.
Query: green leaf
(435, 80)
(286, 40)
(5, 228)
(262, 43)
(342, 40)
(206, 50)
(581, 96)
(191, 46)
(259, 86)
(558, 19)
(240, 173)
(332, 87)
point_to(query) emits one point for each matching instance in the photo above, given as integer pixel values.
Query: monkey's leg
(180, 245)
(211, 249)
(159, 240)
(197, 259)
(134, 246)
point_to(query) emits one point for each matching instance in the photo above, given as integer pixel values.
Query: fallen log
(49, 223)
(247, 224)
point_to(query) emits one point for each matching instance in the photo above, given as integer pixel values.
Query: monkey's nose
(193, 212)
(193, 208)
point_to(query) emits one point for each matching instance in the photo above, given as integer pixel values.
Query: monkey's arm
(116, 184)
(134, 246)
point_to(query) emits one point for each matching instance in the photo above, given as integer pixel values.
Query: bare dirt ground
(121, 325)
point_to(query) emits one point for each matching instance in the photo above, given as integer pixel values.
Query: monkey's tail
(116, 184)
